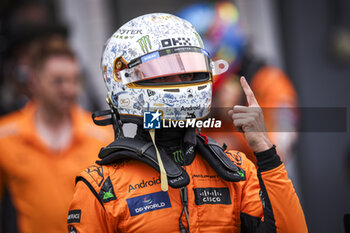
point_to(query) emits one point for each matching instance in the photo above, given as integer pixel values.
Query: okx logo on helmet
(157, 63)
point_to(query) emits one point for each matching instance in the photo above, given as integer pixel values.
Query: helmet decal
(152, 46)
(145, 44)
(118, 65)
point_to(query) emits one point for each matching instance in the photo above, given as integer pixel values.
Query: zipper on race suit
(184, 199)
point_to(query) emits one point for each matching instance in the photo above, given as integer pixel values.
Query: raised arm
(281, 209)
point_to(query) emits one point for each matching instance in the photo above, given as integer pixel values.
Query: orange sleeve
(251, 203)
(269, 202)
(286, 208)
(86, 212)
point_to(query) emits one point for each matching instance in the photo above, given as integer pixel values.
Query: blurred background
(309, 40)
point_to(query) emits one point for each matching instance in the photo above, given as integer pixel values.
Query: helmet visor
(161, 63)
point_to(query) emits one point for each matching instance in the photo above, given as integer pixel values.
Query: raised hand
(250, 121)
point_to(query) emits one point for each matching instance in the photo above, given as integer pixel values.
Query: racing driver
(176, 179)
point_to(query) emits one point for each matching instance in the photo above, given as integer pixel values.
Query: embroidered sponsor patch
(212, 196)
(72, 229)
(205, 176)
(74, 216)
(144, 184)
(107, 192)
(149, 202)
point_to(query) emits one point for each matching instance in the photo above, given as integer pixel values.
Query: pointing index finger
(248, 93)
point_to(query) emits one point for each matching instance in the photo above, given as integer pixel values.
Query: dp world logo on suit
(151, 120)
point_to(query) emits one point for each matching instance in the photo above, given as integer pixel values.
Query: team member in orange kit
(46, 144)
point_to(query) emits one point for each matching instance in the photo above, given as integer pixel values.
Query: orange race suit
(40, 181)
(126, 196)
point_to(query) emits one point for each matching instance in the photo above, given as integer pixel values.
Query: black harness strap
(126, 148)
(123, 148)
(218, 160)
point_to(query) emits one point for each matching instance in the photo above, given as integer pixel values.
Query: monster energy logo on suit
(178, 156)
(145, 44)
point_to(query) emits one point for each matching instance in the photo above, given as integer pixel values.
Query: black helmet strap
(113, 119)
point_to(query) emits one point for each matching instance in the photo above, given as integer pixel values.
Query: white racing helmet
(149, 48)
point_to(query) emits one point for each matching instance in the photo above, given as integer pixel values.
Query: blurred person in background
(23, 27)
(44, 145)
(223, 35)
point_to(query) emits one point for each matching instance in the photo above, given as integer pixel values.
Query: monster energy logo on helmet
(145, 44)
